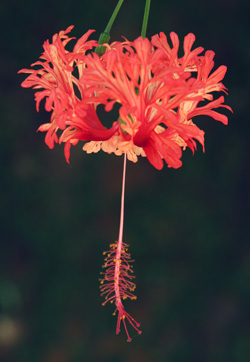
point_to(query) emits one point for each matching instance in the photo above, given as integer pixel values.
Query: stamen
(116, 285)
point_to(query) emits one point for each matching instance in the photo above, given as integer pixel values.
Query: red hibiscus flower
(159, 95)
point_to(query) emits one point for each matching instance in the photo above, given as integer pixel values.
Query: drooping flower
(158, 93)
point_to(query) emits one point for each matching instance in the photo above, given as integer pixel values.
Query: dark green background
(187, 228)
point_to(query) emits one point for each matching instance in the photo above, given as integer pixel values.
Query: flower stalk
(145, 19)
(113, 17)
(105, 36)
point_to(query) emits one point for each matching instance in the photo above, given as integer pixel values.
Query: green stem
(112, 19)
(105, 36)
(145, 19)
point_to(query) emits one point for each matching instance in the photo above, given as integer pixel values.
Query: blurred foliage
(188, 229)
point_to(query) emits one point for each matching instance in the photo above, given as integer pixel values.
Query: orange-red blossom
(159, 95)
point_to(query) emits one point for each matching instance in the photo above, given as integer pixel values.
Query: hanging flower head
(158, 93)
